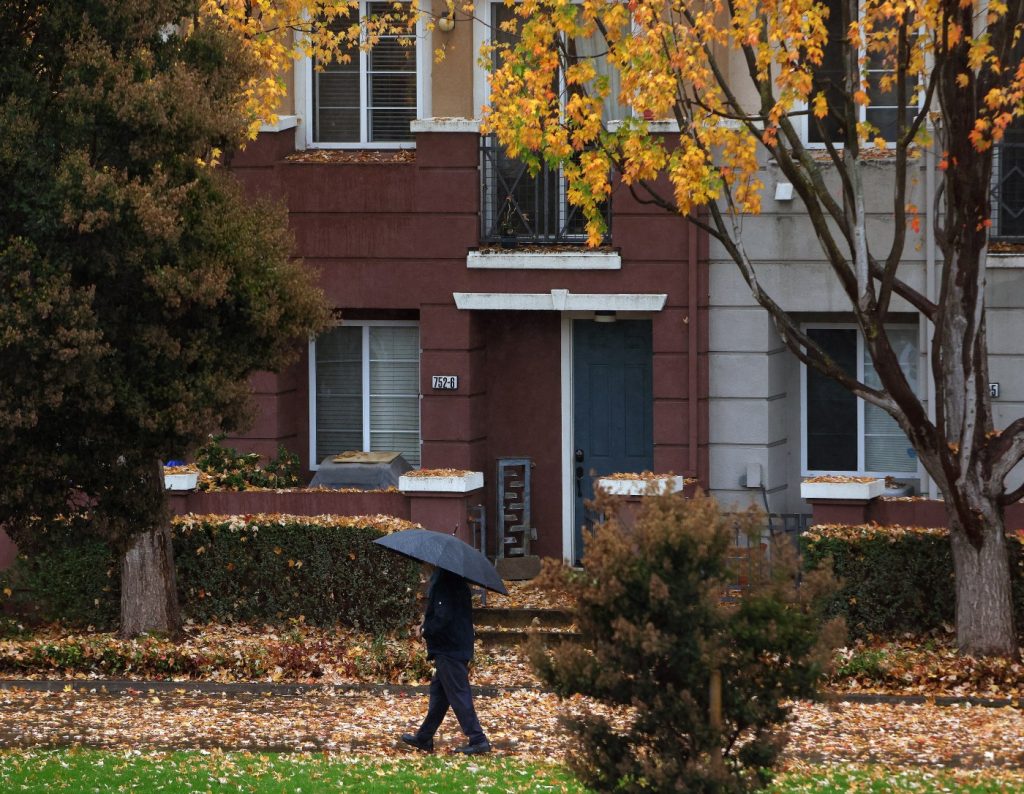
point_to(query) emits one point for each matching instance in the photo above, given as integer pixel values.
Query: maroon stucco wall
(392, 238)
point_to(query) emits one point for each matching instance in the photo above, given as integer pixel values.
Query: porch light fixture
(446, 24)
(604, 316)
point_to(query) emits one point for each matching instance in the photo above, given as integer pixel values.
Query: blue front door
(612, 406)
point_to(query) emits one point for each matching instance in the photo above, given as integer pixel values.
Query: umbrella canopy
(445, 551)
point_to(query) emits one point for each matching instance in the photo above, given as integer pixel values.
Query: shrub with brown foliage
(656, 623)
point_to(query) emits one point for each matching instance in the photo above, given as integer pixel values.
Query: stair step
(510, 618)
(511, 638)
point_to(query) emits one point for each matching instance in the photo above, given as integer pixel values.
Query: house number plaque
(993, 390)
(444, 382)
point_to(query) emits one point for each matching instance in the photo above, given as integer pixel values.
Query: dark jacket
(448, 621)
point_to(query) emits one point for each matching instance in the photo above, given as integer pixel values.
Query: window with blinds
(883, 111)
(842, 433)
(373, 97)
(367, 390)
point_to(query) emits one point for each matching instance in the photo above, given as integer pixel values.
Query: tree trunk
(984, 601)
(149, 595)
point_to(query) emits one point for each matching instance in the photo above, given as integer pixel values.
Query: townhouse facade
(474, 326)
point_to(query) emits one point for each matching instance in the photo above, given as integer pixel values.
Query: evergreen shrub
(659, 618)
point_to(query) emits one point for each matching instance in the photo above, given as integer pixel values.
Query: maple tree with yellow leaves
(748, 81)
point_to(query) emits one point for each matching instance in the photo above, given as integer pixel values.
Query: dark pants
(450, 687)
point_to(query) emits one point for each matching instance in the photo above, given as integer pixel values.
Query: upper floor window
(371, 99)
(882, 112)
(843, 434)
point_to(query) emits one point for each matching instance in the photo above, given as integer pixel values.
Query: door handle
(579, 479)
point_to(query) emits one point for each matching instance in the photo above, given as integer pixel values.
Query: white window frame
(314, 464)
(304, 75)
(860, 471)
(803, 121)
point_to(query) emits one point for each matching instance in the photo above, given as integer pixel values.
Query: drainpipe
(693, 328)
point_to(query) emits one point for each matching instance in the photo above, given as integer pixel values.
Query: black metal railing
(520, 208)
(1008, 192)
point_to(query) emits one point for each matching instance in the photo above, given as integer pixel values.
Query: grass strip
(200, 771)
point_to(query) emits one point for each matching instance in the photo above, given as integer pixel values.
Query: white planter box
(859, 491)
(656, 485)
(470, 481)
(181, 482)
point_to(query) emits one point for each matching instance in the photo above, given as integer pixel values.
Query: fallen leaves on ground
(920, 734)
(528, 595)
(932, 666)
(522, 723)
(228, 653)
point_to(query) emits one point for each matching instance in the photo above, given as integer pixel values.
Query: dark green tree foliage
(140, 287)
(654, 626)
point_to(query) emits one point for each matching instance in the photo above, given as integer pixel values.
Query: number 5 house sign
(444, 382)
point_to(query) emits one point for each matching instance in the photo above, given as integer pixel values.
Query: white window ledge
(852, 490)
(283, 123)
(559, 300)
(660, 126)
(1012, 261)
(453, 124)
(464, 483)
(534, 260)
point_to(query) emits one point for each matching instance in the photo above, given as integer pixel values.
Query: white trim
(533, 260)
(453, 124)
(364, 352)
(1005, 261)
(859, 471)
(843, 490)
(464, 483)
(480, 81)
(560, 300)
(568, 497)
(185, 481)
(655, 127)
(314, 464)
(283, 123)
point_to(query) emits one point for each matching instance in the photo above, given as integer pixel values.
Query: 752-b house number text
(444, 382)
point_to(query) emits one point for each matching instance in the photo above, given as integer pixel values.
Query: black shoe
(475, 749)
(411, 738)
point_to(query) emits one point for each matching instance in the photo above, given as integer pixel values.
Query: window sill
(857, 489)
(1006, 260)
(451, 125)
(283, 123)
(536, 260)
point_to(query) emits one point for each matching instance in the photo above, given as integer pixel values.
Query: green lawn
(194, 771)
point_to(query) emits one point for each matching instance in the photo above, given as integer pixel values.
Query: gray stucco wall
(755, 387)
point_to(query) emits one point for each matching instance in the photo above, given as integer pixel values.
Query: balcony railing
(1008, 192)
(523, 209)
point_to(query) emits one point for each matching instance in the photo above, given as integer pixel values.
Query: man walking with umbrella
(448, 630)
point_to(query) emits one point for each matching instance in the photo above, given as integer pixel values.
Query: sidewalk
(522, 722)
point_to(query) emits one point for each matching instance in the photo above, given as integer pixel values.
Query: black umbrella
(445, 551)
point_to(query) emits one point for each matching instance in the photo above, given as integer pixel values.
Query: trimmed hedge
(896, 579)
(259, 568)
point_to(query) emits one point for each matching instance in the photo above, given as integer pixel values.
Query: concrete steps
(509, 627)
